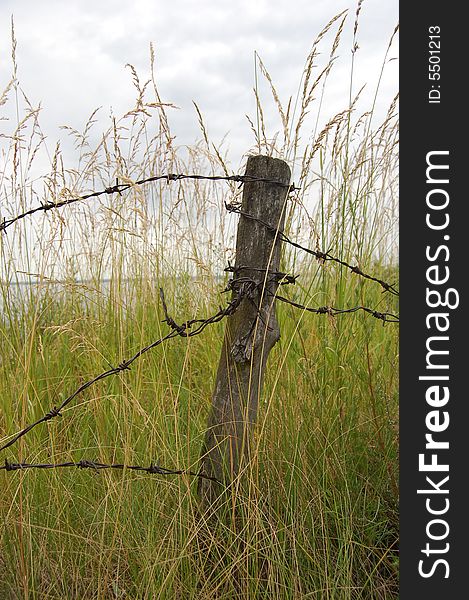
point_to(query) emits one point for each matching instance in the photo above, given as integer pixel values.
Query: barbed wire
(242, 287)
(118, 188)
(322, 256)
(182, 330)
(331, 311)
(153, 469)
(285, 278)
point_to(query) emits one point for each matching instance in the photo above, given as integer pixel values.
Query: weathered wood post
(251, 331)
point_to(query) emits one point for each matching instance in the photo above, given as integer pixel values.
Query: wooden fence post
(251, 331)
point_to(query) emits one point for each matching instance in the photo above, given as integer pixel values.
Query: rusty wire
(153, 469)
(118, 188)
(322, 256)
(331, 311)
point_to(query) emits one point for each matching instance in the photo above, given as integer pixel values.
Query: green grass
(318, 507)
(315, 514)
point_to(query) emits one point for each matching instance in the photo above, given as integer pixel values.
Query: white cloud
(72, 55)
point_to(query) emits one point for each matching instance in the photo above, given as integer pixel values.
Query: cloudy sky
(71, 57)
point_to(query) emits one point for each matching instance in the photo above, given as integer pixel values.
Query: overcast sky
(72, 54)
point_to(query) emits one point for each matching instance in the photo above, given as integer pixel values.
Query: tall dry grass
(316, 516)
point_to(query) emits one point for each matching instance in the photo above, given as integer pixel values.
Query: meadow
(316, 512)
